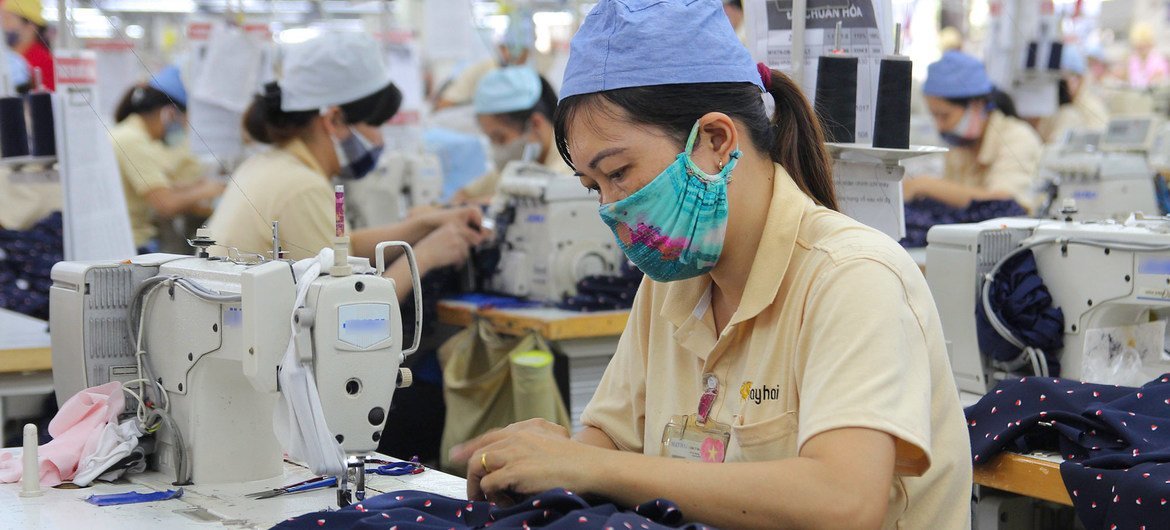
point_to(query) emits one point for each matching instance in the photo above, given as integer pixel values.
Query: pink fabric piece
(76, 431)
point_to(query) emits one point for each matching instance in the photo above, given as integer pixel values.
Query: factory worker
(793, 355)
(514, 107)
(26, 33)
(1079, 107)
(160, 179)
(993, 154)
(1147, 66)
(335, 90)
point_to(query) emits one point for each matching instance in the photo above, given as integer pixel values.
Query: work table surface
(201, 506)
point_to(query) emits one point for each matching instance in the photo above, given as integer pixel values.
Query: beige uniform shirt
(1087, 111)
(283, 184)
(487, 185)
(25, 199)
(1008, 160)
(147, 164)
(837, 328)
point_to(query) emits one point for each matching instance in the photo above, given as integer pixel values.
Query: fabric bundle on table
(87, 440)
(26, 260)
(1115, 442)
(553, 509)
(922, 214)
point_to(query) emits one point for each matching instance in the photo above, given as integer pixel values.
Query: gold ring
(483, 460)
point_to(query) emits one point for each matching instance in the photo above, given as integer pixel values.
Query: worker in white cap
(334, 87)
(1080, 108)
(514, 107)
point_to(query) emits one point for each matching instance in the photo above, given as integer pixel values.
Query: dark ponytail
(266, 123)
(793, 137)
(799, 143)
(141, 99)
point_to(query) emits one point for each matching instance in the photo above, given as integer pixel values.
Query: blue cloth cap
(507, 89)
(633, 43)
(1072, 61)
(957, 75)
(170, 83)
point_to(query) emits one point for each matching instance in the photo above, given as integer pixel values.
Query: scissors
(396, 469)
(311, 484)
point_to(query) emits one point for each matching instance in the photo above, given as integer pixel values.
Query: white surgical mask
(521, 148)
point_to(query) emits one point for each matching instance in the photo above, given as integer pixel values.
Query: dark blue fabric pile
(26, 263)
(553, 509)
(1115, 441)
(603, 293)
(921, 214)
(1022, 302)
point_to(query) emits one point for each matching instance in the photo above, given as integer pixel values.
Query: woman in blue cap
(514, 106)
(783, 364)
(160, 178)
(994, 155)
(1080, 108)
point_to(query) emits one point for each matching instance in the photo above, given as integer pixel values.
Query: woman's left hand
(527, 462)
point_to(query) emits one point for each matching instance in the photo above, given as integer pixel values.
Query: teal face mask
(673, 227)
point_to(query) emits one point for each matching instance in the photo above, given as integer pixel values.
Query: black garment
(1115, 441)
(922, 214)
(26, 262)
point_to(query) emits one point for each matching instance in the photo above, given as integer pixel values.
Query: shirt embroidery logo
(759, 395)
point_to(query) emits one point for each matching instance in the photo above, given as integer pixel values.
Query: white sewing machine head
(400, 181)
(213, 333)
(1109, 178)
(1104, 276)
(551, 235)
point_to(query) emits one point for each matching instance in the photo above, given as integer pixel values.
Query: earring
(720, 165)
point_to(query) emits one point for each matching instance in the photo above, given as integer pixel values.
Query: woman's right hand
(448, 245)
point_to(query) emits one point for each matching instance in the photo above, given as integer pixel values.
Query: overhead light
(134, 31)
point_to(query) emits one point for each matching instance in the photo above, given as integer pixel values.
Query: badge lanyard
(697, 436)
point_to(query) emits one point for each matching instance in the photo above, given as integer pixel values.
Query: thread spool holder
(32, 169)
(857, 160)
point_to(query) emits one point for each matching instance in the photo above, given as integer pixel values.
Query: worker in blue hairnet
(1080, 108)
(514, 106)
(160, 177)
(993, 153)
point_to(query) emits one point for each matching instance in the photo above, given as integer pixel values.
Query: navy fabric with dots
(553, 509)
(26, 261)
(921, 214)
(1115, 442)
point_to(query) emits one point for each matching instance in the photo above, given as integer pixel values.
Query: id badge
(684, 437)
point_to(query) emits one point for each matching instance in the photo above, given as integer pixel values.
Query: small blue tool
(396, 469)
(133, 497)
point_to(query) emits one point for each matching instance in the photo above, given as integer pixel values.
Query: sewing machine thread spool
(13, 132)
(40, 111)
(30, 479)
(891, 118)
(836, 97)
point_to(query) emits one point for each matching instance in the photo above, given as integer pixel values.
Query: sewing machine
(1108, 180)
(213, 333)
(550, 235)
(400, 181)
(1100, 274)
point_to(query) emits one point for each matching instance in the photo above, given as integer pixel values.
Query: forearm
(595, 437)
(169, 202)
(399, 271)
(365, 241)
(791, 493)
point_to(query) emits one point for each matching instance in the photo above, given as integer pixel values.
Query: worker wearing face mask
(334, 88)
(514, 106)
(1079, 107)
(160, 178)
(26, 33)
(993, 154)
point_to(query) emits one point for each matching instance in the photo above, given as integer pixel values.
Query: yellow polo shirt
(836, 329)
(1008, 159)
(146, 164)
(282, 184)
(1087, 111)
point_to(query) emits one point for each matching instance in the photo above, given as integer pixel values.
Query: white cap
(332, 68)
